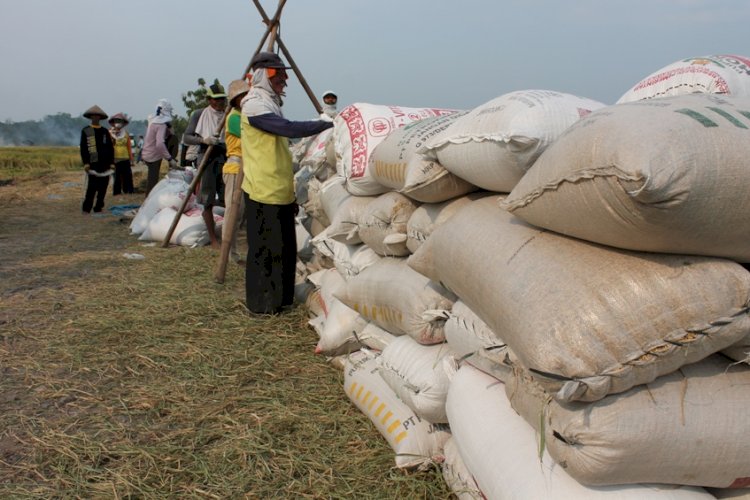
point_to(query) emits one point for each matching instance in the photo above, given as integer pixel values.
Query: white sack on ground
(664, 175)
(349, 260)
(395, 163)
(428, 216)
(375, 337)
(717, 74)
(457, 476)
(338, 330)
(416, 442)
(493, 145)
(167, 193)
(360, 127)
(587, 320)
(330, 282)
(382, 225)
(419, 375)
(400, 300)
(502, 453)
(687, 427)
(190, 231)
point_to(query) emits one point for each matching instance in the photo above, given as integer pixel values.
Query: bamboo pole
(271, 27)
(232, 216)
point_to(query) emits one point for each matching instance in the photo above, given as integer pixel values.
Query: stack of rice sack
(605, 293)
(155, 216)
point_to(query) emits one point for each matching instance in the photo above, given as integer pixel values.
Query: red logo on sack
(379, 127)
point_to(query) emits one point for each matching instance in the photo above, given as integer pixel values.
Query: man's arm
(277, 125)
(189, 137)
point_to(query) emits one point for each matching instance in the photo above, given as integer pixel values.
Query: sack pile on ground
(557, 307)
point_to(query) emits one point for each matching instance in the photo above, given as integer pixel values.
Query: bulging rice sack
(718, 74)
(504, 456)
(167, 193)
(587, 320)
(416, 442)
(664, 175)
(686, 427)
(360, 127)
(494, 144)
(397, 164)
(382, 225)
(190, 231)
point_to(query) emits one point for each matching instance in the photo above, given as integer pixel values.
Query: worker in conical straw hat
(233, 128)
(268, 186)
(97, 156)
(123, 181)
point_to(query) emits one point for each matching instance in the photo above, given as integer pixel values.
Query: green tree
(196, 99)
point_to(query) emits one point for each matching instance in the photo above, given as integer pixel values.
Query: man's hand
(211, 141)
(86, 168)
(324, 117)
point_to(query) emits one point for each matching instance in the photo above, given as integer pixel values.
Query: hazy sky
(65, 55)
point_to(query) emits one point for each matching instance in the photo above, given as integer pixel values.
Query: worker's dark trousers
(95, 187)
(271, 256)
(123, 182)
(154, 169)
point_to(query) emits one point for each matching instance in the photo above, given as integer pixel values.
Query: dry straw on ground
(128, 378)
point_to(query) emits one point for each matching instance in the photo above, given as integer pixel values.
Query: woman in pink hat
(123, 182)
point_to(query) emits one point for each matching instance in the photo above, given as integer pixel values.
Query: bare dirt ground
(126, 378)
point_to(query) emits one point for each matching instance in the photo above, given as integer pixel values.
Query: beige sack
(687, 427)
(382, 225)
(493, 145)
(587, 320)
(395, 163)
(664, 175)
(400, 300)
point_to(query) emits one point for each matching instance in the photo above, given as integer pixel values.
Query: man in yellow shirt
(268, 186)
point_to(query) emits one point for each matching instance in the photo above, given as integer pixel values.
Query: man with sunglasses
(268, 186)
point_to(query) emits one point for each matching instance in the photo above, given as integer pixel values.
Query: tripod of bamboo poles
(231, 216)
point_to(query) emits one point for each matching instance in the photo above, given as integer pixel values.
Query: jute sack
(360, 127)
(382, 225)
(587, 320)
(686, 427)
(718, 74)
(664, 175)
(457, 476)
(400, 300)
(739, 351)
(503, 455)
(430, 215)
(419, 375)
(416, 442)
(395, 163)
(493, 145)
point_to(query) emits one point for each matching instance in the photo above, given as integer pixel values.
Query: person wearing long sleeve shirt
(98, 157)
(155, 144)
(268, 187)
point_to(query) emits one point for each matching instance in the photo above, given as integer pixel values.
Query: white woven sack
(416, 442)
(382, 224)
(457, 475)
(167, 193)
(428, 216)
(338, 331)
(419, 375)
(687, 427)
(395, 163)
(717, 74)
(316, 156)
(502, 453)
(190, 231)
(587, 320)
(400, 300)
(666, 175)
(346, 219)
(493, 145)
(332, 194)
(349, 260)
(360, 127)
(330, 282)
(375, 337)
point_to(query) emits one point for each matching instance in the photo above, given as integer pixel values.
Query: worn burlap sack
(587, 320)
(663, 175)
(687, 427)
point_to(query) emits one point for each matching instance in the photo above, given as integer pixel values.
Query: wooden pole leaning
(204, 160)
(232, 216)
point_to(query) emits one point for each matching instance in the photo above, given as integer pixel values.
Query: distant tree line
(60, 129)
